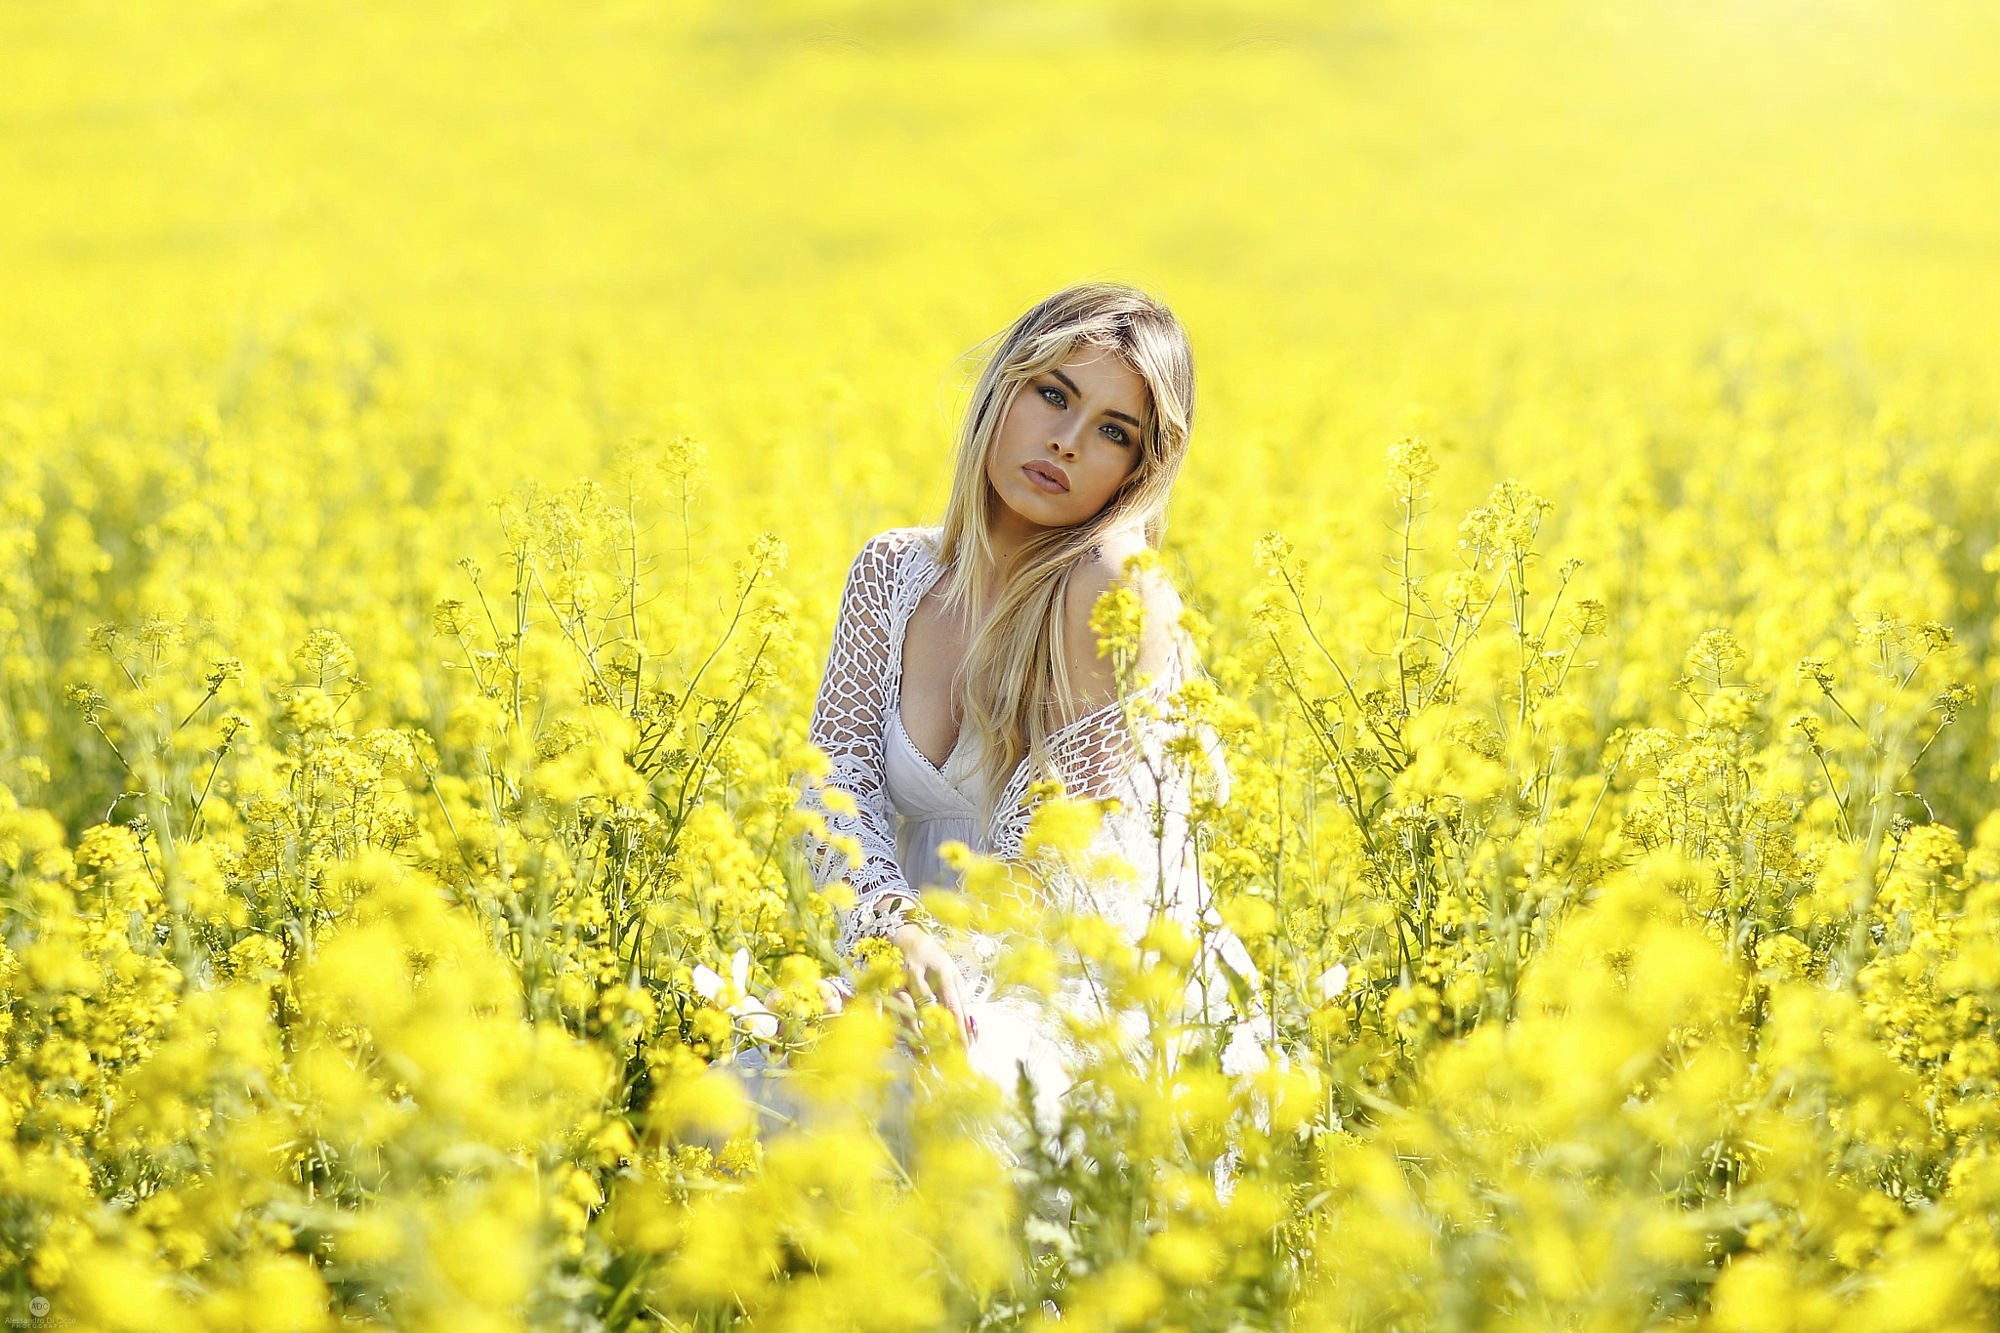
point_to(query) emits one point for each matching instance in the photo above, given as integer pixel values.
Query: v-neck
(942, 772)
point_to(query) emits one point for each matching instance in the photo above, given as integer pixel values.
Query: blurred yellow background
(1366, 212)
(1561, 241)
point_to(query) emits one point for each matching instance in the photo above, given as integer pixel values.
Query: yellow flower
(709, 1103)
(1062, 825)
(1250, 918)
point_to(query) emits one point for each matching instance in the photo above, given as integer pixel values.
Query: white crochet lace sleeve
(1119, 752)
(1125, 752)
(849, 723)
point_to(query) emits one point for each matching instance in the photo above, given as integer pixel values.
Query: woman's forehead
(1106, 372)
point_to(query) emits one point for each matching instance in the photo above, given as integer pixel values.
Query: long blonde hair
(1013, 686)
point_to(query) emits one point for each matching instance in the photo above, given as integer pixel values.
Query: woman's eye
(1054, 395)
(1118, 435)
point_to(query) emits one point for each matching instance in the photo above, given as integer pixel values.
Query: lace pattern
(1118, 752)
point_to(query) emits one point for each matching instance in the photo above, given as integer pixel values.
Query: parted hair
(1014, 686)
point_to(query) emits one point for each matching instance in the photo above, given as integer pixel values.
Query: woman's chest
(934, 646)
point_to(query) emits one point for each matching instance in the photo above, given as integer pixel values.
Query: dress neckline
(910, 744)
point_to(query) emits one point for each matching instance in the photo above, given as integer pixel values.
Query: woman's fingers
(933, 976)
(936, 982)
(954, 1002)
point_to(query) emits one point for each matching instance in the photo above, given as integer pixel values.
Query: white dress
(907, 808)
(934, 806)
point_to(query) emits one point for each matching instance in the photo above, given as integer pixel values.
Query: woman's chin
(1025, 511)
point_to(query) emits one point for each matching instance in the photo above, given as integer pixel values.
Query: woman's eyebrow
(1079, 393)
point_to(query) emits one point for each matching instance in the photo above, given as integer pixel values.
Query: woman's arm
(848, 724)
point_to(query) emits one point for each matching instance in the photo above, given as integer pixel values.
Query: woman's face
(1068, 438)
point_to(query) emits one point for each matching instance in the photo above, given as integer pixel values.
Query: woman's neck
(1006, 535)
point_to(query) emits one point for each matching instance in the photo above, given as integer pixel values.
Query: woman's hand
(933, 974)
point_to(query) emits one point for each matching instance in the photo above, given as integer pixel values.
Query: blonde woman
(964, 667)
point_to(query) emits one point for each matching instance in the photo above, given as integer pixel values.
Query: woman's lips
(1047, 476)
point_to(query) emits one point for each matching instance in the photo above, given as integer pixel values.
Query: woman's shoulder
(1105, 567)
(890, 552)
(1110, 562)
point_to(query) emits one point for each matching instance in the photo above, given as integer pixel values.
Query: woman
(964, 667)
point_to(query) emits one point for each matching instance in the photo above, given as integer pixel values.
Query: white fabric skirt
(1015, 1034)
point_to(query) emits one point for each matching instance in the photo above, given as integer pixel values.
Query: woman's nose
(1062, 444)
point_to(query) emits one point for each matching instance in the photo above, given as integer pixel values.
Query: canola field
(432, 441)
